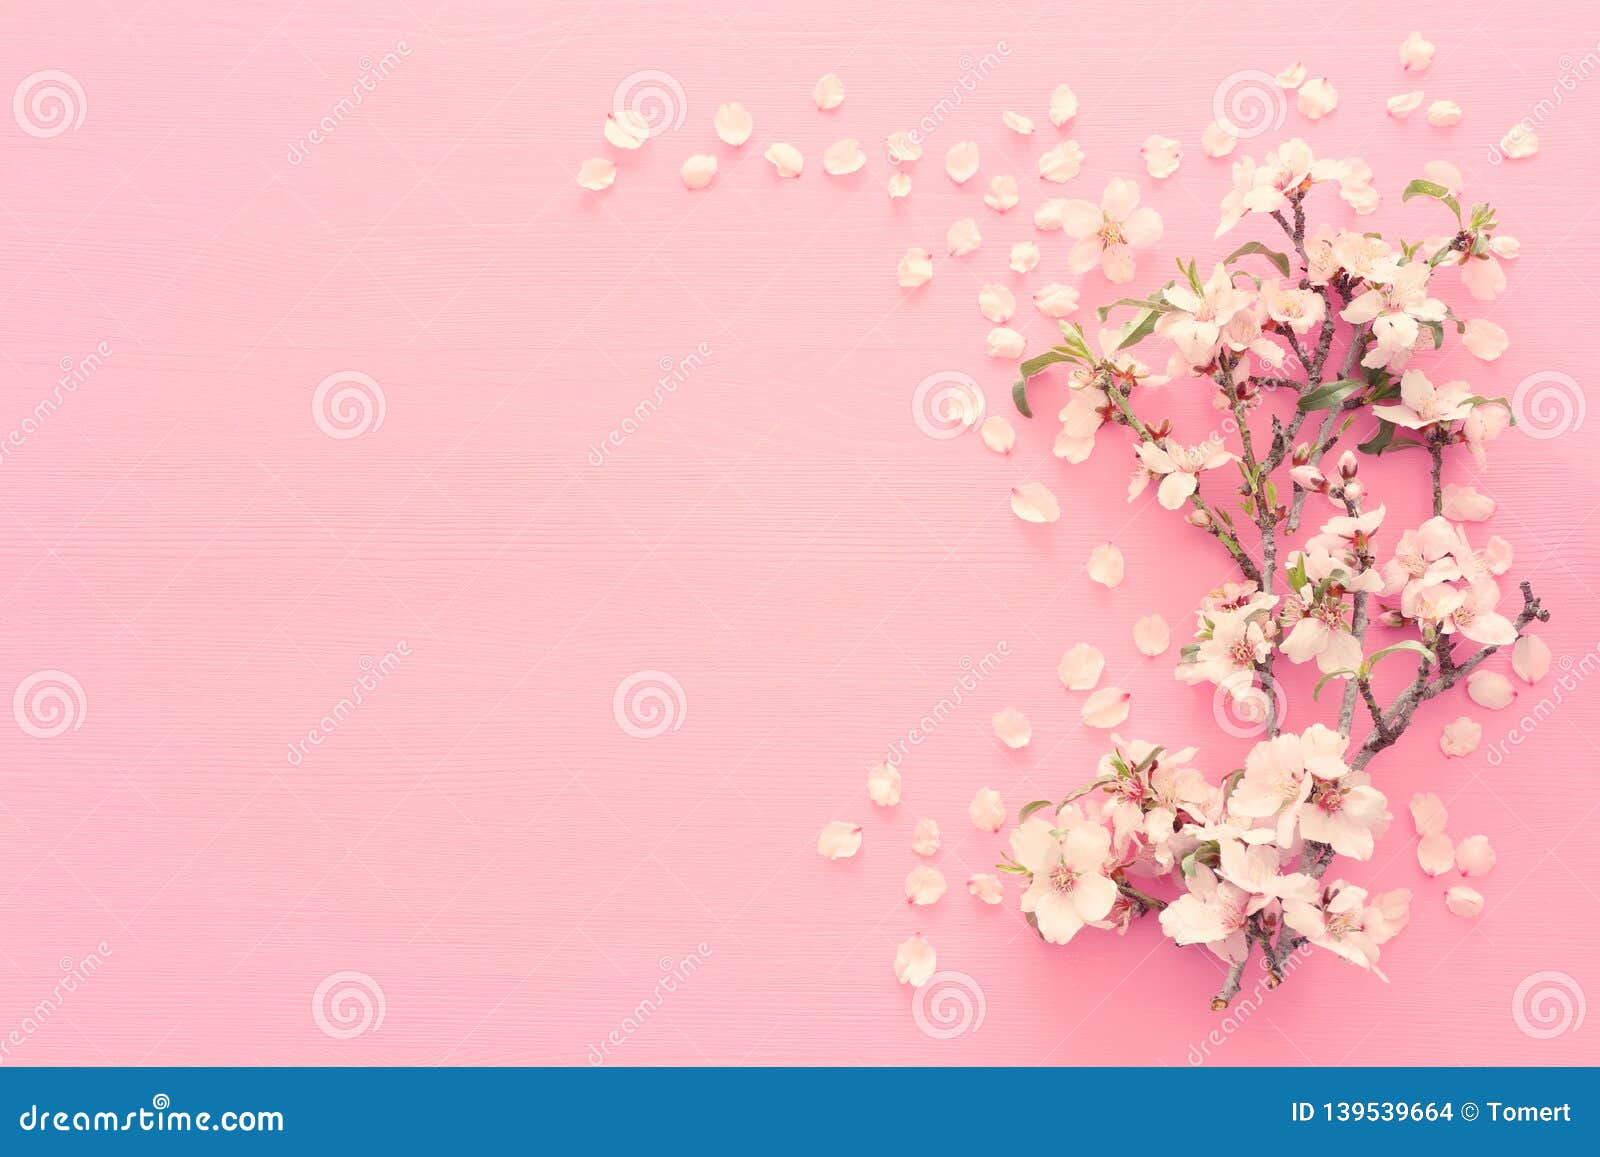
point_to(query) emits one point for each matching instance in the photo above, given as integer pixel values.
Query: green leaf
(1436, 328)
(1143, 327)
(1029, 808)
(1422, 188)
(1411, 646)
(1342, 673)
(1154, 301)
(1019, 397)
(1281, 260)
(1329, 396)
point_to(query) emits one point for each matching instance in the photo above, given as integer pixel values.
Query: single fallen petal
(1063, 105)
(924, 885)
(597, 173)
(916, 268)
(1033, 502)
(1106, 708)
(961, 162)
(1530, 658)
(1012, 728)
(1465, 504)
(1520, 142)
(626, 129)
(1161, 156)
(1484, 340)
(899, 185)
(698, 171)
(1405, 104)
(1024, 257)
(733, 123)
(1005, 343)
(925, 838)
(1002, 195)
(1017, 123)
(1490, 689)
(839, 840)
(1292, 77)
(1463, 901)
(1435, 855)
(1080, 667)
(1152, 635)
(963, 237)
(1316, 99)
(914, 961)
(1415, 53)
(829, 92)
(904, 147)
(987, 888)
(1461, 737)
(1428, 813)
(883, 785)
(1061, 163)
(1219, 138)
(996, 302)
(1056, 300)
(1474, 856)
(987, 811)
(998, 434)
(843, 158)
(786, 159)
(1443, 113)
(1105, 565)
(1050, 216)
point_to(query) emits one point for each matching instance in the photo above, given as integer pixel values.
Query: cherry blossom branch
(1230, 986)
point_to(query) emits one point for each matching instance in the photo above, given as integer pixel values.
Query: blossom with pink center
(1212, 912)
(1200, 312)
(1108, 233)
(1397, 308)
(1349, 923)
(1475, 618)
(1178, 467)
(1299, 310)
(1229, 646)
(1423, 404)
(1280, 773)
(1069, 886)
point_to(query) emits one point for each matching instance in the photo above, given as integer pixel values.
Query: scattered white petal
(1405, 104)
(1152, 635)
(904, 147)
(1049, 216)
(997, 303)
(1293, 76)
(998, 434)
(1416, 53)
(1002, 194)
(1080, 667)
(1106, 708)
(961, 162)
(698, 171)
(829, 92)
(734, 124)
(1056, 300)
(1474, 856)
(1461, 737)
(1435, 855)
(843, 158)
(627, 129)
(914, 961)
(1004, 342)
(899, 186)
(883, 785)
(925, 837)
(1463, 901)
(924, 885)
(1106, 565)
(1316, 99)
(1011, 727)
(1024, 257)
(1061, 163)
(987, 888)
(986, 810)
(916, 268)
(1219, 138)
(963, 237)
(1428, 813)
(839, 840)
(1465, 504)
(1520, 142)
(786, 159)
(597, 173)
(1063, 105)
(1161, 156)
(1443, 113)
(1530, 658)
(1033, 502)
(1484, 340)
(1017, 123)
(1490, 689)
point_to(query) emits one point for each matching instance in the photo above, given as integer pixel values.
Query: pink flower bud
(1348, 464)
(1200, 518)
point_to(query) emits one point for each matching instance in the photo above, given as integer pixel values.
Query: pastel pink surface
(479, 836)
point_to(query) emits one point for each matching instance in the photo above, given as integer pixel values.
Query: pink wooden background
(479, 838)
